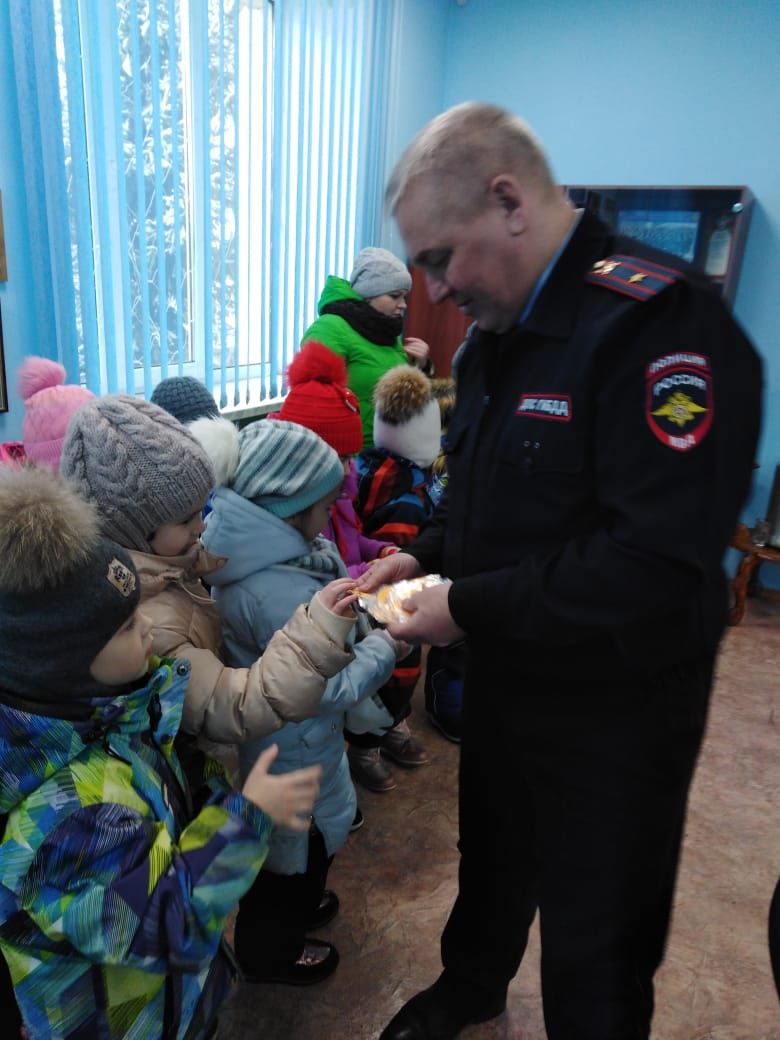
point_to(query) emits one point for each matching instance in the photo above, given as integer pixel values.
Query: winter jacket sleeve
(228, 705)
(353, 690)
(111, 882)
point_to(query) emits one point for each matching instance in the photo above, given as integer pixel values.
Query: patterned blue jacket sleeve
(114, 885)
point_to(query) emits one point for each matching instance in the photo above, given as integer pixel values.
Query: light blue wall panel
(416, 81)
(648, 92)
(17, 299)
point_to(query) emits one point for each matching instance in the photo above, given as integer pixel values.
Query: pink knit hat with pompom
(49, 404)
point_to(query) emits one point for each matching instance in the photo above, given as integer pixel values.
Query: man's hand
(398, 567)
(430, 620)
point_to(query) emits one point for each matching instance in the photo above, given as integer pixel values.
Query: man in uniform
(599, 453)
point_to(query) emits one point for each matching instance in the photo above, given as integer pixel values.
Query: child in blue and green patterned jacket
(113, 898)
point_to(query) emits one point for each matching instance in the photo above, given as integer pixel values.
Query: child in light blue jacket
(278, 481)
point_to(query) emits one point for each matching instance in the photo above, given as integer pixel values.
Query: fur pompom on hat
(141, 467)
(280, 466)
(49, 404)
(406, 416)
(186, 398)
(377, 271)
(65, 590)
(320, 399)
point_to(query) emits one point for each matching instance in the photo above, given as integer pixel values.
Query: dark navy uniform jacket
(599, 455)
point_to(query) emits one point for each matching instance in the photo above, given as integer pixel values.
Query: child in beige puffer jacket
(150, 480)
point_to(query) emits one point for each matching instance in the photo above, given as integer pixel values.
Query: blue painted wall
(621, 91)
(648, 92)
(416, 82)
(17, 305)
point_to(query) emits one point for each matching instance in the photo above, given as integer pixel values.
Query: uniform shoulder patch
(640, 279)
(679, 402)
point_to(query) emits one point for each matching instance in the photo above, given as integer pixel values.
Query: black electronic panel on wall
(707, 226)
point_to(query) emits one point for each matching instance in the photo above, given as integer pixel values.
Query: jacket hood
(250, 536)
(336, 289)
(157, 572)
(58, 741)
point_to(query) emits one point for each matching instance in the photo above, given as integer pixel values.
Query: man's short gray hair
(463, 149)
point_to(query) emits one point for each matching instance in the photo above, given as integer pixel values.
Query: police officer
(599, 453)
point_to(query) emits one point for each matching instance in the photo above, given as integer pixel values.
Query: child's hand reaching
(287, 798)
(338, 595)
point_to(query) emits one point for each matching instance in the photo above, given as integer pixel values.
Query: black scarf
(366, 321)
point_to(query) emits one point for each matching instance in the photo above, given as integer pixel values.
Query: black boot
(443, 1010)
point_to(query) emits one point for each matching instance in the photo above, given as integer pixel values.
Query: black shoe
(448, 725)
(358, 822)
(318, 960)
(325, 912)
(442, 1011)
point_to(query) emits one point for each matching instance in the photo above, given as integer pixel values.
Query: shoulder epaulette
(640, 279)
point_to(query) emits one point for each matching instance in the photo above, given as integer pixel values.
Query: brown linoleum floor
(396, 879)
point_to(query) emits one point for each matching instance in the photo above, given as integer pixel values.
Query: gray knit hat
(284, 467)
(65, 590)
(186, 398)
(138, 464)
(377, 271)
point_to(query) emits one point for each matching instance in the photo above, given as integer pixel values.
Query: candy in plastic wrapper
(384, 605)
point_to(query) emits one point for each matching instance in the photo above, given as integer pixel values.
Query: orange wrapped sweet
(384, 605)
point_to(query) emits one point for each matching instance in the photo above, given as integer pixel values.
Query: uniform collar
(554, 302)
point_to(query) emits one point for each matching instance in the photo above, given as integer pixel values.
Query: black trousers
(572, 802)
(274, 914)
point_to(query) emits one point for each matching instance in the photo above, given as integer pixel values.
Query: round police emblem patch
(679, 407)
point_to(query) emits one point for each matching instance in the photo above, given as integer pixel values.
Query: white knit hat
(407, 420)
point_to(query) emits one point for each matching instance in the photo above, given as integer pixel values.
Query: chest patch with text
(679, 405)
(556, 407)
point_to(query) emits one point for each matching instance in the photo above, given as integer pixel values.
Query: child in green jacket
(113, 897)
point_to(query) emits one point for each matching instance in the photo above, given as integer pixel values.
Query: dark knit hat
(406, 415)
(65, 590)
(377, 272)
(320, 399)
(186, 398)
(141, 467)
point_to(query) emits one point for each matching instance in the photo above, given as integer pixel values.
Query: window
(196, 169)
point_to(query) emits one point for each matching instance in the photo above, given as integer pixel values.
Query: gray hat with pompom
(138, 464)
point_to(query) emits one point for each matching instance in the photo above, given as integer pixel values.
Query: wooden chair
(747, 573)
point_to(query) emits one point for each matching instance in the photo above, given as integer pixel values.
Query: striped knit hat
(284, 467)
(138, 464)
(281, 466)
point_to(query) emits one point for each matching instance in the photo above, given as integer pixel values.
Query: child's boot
(399, 744)
(368, 769)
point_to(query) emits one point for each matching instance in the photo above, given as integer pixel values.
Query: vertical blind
(194, 170)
